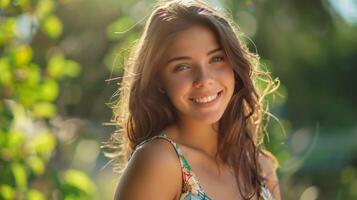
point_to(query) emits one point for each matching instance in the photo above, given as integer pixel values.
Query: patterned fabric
(191, 189)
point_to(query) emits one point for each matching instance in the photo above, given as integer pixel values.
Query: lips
(206, 98)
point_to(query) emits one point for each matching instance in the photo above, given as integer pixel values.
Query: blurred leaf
(19, 172)
(36, 165)
(29, 75)
(35, 195)
(72, 68)
(5, 73)
(7, 192)
(44, 143)
(44, 110)
(22, 55)
(59, 67)
(16, 140)
(3, 140)
(17, 109)
(4, 4)
(353, 189)
(49, 90)
(75, 197)
(6, 30)
(27, 95)
(52, 26)
(283, 156)
(56, 65)
(348, 174)
(44, 8)
(26, 143)
(79, 180)
(23, 3)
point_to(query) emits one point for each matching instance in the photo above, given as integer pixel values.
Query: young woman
(189, 113)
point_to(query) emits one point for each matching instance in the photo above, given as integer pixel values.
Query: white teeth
(206, 99)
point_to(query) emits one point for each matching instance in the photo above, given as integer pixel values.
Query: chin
(209, 118)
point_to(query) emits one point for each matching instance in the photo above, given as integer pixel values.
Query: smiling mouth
(206, 99)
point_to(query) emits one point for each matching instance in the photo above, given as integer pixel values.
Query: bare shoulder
(268, 162)
(269, 165)
(153, 172)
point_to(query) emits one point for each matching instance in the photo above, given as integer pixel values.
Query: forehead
(194, 40)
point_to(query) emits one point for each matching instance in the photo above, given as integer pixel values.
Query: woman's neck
(196, 135)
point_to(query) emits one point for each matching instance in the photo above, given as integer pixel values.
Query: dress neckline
(264, 191)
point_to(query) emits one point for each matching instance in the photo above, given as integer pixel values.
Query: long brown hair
(141, 111)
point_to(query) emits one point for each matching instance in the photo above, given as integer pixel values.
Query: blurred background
(59, 63)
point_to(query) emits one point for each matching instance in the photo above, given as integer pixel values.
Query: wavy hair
(141, 111)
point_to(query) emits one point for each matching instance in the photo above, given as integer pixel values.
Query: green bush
(28, 91)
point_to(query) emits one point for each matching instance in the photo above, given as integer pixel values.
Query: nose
(203, 77)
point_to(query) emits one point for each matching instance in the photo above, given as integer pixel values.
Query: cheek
(231, 79)
(178, 88)
(226, 75)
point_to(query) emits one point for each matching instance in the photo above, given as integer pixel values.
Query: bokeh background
(59, 68)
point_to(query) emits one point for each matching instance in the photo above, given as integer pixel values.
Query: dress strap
(265, 193)
(190, 181)
(183, 160)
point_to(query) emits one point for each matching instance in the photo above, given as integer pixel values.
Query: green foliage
(28, 92)
(52, 26)
(78, 180)
(58, 67)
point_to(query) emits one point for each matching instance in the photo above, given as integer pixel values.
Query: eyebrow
(187, 57)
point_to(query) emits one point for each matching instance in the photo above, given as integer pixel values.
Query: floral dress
(191, 189)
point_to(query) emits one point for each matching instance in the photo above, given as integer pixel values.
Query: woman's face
(197, 76)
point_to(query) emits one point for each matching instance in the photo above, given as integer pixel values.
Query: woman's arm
(153, 173)
(269, 165)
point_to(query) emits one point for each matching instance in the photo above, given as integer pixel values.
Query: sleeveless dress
(191, 188)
